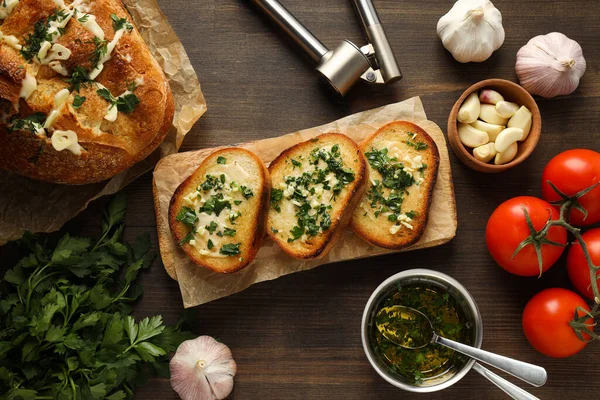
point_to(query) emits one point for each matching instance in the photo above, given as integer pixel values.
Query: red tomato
(579, 271)
(507, 228)
(546, 322)
(572, 171)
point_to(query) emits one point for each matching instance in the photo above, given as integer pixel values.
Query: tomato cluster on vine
(527, 235)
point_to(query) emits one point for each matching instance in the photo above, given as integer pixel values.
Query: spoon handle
(507, 387)
(530, 373)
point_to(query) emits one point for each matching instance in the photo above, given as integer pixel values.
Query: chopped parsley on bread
(316, 185)
(217, 215)
(403, 165)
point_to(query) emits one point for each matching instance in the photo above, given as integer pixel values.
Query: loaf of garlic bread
(81, 96)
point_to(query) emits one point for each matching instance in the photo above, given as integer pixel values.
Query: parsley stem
(32, 288)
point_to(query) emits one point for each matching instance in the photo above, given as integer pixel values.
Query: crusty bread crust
(254, 227)
(119, 144)
(377, 232)
(350, 196)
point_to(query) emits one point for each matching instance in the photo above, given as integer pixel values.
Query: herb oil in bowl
(431, 363)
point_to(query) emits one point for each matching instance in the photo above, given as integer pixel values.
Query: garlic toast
(403, 165)
(316, 185)
(218, 214)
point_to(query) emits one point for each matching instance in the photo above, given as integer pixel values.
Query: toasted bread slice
(316, 185)
(218, 213)
(403, 165)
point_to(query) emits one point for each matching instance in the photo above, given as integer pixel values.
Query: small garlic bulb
(550, 65)
(472, 30)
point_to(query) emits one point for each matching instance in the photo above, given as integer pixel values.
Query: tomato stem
(579, 322)
(538, 238)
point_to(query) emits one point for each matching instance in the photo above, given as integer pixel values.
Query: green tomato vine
(538, 238)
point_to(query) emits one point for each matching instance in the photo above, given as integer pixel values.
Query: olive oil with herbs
(448, 319)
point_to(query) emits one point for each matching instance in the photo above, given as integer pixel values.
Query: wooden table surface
(298, 337)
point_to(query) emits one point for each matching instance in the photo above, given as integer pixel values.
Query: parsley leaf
(125, 103)
(212, 227)
(120, 23)
(215, 204)
(230, 249)
(246, 192)
(32, 123)
(100, 50)
(187, 216)
(229, 232)
(78, 101)
(210, 245)
(221, 160)
(276, 196)
(79, 77)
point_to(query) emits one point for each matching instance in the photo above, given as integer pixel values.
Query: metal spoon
(411, 329)
(507, 387)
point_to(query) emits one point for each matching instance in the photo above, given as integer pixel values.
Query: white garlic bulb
(550, 65)
(472, 30)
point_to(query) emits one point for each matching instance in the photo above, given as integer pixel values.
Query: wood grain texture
(298, 337)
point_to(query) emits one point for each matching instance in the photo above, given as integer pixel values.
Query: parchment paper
(26, 204)
(199, 285)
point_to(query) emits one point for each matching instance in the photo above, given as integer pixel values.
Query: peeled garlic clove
(469, 111)
(507, 155)
(550, 65)
(470, 136)
(488, 96)
(485, 153)
(506, 109)
(522, 120)
(508, 137)
(201, 369)
(491, 129)
(489, 114)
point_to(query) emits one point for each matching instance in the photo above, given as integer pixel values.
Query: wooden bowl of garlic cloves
(494, 125)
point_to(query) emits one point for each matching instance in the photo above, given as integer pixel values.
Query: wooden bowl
(511, 92)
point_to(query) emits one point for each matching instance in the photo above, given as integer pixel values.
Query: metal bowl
(465, 301)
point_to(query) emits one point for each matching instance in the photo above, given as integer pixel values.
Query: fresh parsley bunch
(65, 328)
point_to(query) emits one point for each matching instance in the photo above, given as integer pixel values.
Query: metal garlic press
(343, 66)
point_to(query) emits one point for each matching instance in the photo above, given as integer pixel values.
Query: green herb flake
(221, 160)
(212, 227)
(32, 123)
(229, 232)
(230, 249)
(246, 192)
(187, 216)
(100, 50)
(215, 204)
(210, 244)
(296, 163)
(126, 103)
(120, 23)
(80, 76)
(78, 101)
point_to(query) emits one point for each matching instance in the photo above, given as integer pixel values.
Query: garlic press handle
(295, 30)
(376, 36)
